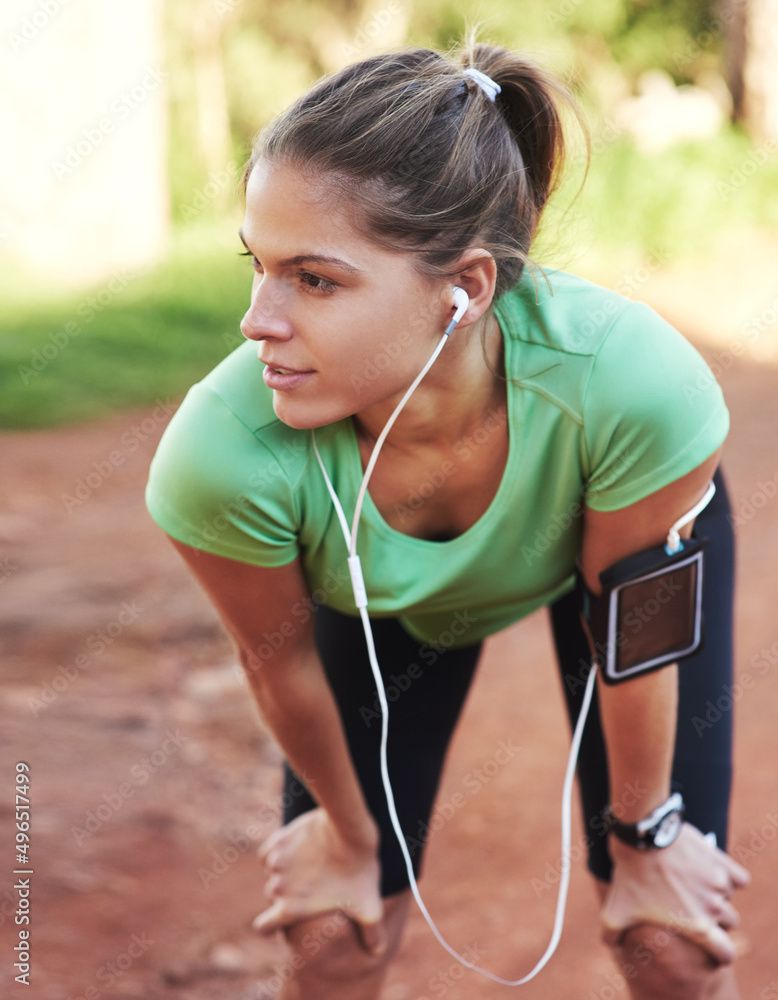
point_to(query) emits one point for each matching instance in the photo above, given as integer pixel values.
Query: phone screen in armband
(649, 613)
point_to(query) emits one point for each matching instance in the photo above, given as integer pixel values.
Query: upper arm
(652, 412)
(612, 535)
(267, 610)
(217, 486)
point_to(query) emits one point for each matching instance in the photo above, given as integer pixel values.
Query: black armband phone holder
(649, 613)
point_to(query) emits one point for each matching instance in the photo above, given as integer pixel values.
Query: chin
(303, 418)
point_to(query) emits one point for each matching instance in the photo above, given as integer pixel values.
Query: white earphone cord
(360, 597)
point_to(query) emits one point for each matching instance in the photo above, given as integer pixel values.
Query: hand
(313, 871)
(686, 887)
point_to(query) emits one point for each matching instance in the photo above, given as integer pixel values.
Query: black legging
(427, 689)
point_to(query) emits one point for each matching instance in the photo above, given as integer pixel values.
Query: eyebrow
(316, 258)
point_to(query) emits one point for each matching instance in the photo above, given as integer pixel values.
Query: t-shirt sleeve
(653, 411)
(214, 485)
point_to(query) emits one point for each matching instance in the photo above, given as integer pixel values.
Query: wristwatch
(657, 830)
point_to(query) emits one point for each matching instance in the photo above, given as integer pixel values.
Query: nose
(266, 317)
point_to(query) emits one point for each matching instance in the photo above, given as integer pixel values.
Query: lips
(283, 369)
(280, 378)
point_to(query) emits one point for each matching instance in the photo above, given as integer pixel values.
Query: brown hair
(429, 162)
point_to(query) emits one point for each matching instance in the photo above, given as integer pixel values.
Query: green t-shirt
(606, 404)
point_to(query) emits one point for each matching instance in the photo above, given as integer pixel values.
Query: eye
(255, 263)
(310, 282)
(313, 283)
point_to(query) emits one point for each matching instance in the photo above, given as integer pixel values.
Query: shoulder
(560, 331)
(603, 342)
(647, 405)
(226, 473)
(236, 389)
(560, 311)
(226, 425)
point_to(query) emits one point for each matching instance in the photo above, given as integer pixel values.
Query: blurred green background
(664, 194)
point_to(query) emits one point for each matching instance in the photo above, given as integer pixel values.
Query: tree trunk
(752, 65)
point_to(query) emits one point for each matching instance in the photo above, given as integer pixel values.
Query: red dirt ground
(152, 778)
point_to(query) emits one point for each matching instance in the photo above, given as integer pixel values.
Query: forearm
(298, 706)
(639, 722)
(290, 687)
(686, 885)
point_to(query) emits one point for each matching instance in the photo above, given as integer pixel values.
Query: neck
(462, 385)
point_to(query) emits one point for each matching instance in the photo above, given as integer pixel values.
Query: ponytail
(530, 101)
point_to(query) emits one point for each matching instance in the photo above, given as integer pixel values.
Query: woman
(560, 425)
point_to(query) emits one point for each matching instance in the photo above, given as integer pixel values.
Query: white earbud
(461, 302)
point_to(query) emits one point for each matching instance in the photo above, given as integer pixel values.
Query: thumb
(373, 936)
(720, 945)
(616, 917)
(612, 934)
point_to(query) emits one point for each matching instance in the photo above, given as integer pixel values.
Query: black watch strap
(657, 830)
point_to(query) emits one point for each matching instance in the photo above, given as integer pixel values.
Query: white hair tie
(486, 83)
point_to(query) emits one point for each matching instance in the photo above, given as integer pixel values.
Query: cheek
(399, 311)
(379, 344)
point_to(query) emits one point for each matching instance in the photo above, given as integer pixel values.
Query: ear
(477, 275)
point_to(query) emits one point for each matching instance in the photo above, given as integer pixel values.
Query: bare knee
(659, 964)
(329, 948)
(328, 958)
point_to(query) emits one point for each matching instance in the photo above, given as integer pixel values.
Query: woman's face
(340, 323)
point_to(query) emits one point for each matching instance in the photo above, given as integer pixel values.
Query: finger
(728, 917)
(719, 944)
(272, 860)
(373, 937)
(710, 937)
(740, 876)
(268, 844)
(272, 919)
(274, 887)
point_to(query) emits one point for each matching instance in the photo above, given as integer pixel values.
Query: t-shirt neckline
(377, 521)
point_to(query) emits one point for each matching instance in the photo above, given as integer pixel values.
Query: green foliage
(673, 204)
(71, 357)
(262, 81)
(631, 35)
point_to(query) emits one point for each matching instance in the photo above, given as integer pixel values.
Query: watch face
(668, 830)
